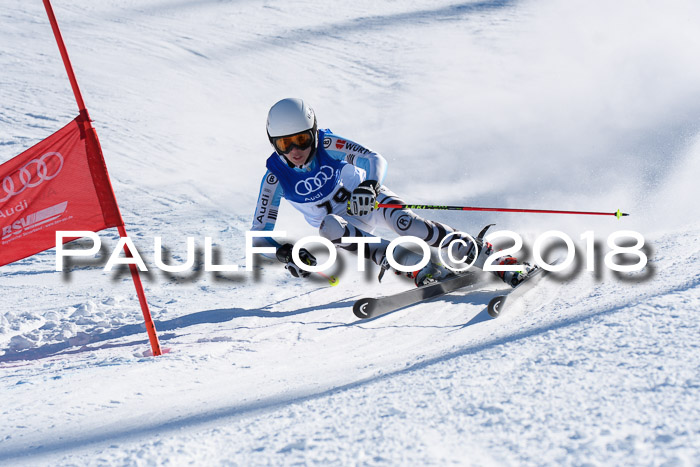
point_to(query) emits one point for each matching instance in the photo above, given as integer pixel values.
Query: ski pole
(332, 280)
(617, 214)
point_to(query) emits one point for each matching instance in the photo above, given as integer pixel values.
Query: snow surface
(585, 105)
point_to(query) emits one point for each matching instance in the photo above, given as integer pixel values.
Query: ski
(496, 304)
(366, 308)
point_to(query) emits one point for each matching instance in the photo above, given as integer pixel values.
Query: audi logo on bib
(312, 184)
(31, 175)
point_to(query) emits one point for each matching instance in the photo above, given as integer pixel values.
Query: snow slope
(566, 105)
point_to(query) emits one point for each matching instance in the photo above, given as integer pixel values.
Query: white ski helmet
(290, 117)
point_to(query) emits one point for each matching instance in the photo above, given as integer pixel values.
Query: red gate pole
(150, 326)
(64, 56)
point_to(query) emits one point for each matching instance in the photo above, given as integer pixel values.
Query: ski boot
(513, 278)
(431, 273)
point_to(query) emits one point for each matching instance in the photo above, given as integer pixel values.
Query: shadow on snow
(221, 315)
(159, 428)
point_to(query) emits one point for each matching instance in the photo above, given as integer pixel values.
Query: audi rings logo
(32, 174)
(307, 186)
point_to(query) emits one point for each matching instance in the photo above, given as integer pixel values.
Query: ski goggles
(284, 144)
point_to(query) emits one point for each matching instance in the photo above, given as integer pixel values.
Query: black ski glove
(363, 198)
(284, 255)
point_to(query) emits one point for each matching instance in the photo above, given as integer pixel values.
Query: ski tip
(494, 306)
(333, 281)
(363, 308)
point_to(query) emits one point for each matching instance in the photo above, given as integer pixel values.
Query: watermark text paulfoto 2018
(614, 243)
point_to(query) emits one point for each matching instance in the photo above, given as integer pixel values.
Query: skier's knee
(332, 227)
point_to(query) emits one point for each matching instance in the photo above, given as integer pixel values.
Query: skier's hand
(363, 198)
(284, 254)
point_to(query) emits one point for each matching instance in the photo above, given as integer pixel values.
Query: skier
(335, 183)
